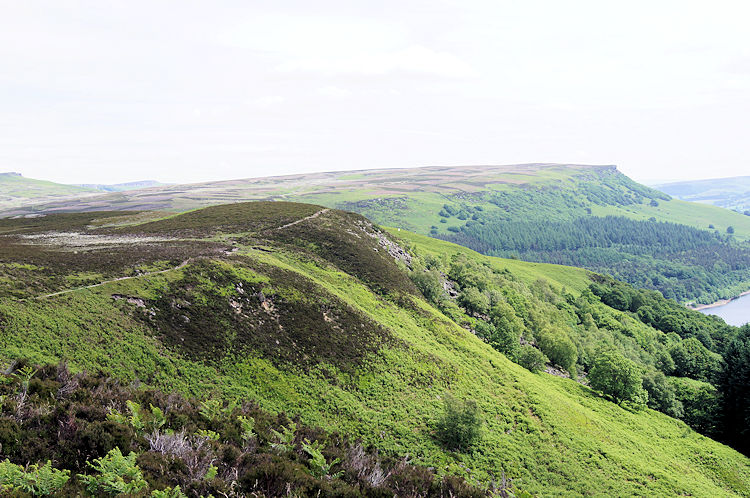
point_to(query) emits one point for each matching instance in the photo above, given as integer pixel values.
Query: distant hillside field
(321, 315)
(121, 187)
(574, 215)
(16, 190)
(730, 193)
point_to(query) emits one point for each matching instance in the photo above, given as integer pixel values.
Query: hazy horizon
(175, 92)
(654, 182)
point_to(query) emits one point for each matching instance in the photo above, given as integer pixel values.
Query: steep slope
(312, 312)
(506, 211)
(93, 428)
(16, 190)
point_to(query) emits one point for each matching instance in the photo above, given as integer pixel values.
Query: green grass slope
(315, 316)
(693, 214)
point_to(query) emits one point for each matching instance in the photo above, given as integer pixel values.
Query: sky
(187, 91)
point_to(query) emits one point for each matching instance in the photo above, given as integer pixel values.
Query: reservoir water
(735, 312)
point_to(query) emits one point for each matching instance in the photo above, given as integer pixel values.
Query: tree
(664, 361)
(474, 300)
(692, 359)
(508, 329)
(531, 358)
(430, 284)
(459, 426)
(700, 401)
(661, 394)
(618, 298)
(734, 386)
(617, 377)
(559, 348)
(730, 229)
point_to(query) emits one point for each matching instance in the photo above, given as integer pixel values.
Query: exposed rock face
(130, 299)
(396, 251)
(449, 286)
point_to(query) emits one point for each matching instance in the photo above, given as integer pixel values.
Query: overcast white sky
(188, 91)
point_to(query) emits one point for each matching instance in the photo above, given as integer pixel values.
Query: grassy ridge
(334, 186)
(553, 436)
(545, 432)
(416, 194)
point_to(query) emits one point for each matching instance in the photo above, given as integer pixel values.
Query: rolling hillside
(319, 314)
(498, 210)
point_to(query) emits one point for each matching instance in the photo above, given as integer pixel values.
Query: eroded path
(314, 215)
(119, 279)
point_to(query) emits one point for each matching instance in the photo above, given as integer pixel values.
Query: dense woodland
(556, 225)
(679, 261)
